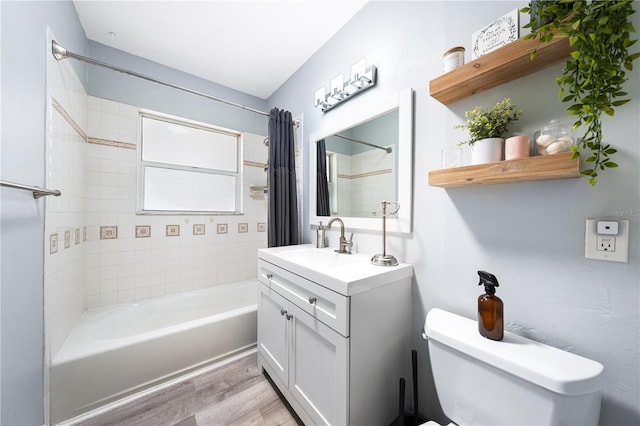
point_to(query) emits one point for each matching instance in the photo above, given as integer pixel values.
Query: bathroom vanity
(333, 333)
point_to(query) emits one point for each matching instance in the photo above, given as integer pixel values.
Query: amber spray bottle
(490, 308)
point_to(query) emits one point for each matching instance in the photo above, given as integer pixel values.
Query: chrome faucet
(345, 246)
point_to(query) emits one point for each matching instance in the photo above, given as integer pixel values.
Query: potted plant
(487, 129)
(593, 78)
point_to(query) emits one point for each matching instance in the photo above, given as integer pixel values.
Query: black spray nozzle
(489, 281)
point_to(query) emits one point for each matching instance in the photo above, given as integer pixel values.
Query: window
(188, 167)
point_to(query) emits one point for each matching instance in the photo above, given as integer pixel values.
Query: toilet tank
(515, 381)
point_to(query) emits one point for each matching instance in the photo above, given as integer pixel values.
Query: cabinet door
(318, 369)
(273, 331)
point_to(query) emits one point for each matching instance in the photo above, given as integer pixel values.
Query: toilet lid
(559, 371)
(432, 423)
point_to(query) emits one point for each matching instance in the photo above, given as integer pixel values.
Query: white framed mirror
(369, 159)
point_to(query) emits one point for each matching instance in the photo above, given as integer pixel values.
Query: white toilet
(515, 381)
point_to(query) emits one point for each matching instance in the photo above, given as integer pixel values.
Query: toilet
(515, 381)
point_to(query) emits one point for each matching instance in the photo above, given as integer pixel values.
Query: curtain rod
(387, 149)
(60, 53)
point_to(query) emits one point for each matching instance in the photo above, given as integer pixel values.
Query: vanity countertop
(347, 274)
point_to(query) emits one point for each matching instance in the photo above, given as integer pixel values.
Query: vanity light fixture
(361, 78)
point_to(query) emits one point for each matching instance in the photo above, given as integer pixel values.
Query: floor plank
(234, 394)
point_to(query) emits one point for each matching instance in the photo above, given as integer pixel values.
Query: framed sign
(502, 31)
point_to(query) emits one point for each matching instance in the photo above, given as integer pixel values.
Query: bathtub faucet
(345, 246)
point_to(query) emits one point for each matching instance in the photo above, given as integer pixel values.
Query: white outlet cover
(621, 242)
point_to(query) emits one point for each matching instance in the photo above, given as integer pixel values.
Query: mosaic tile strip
(198, 229)
(243, 228)
(173, 230)
(56, 105)
(364, 175)
(77, 236)
(255, 164)
(262, 227)
(109, 142)
(67, 238)
(108, 232)
(222, 228)
(143, 231)
(53, 243)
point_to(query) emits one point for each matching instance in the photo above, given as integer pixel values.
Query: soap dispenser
(320, 238)
(490, 308)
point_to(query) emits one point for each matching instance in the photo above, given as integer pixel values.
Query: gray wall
(119, 87)
(531, 235)
(24, 50)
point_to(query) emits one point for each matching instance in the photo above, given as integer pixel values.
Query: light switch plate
(604, 245)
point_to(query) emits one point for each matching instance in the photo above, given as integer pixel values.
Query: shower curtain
(322, 183)
(283, 202)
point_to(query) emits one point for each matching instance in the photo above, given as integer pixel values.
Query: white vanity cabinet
(333, 333)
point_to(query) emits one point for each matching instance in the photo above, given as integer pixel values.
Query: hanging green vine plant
(592, 80)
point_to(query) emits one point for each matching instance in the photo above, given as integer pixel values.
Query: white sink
(323, 258)
(343, 273)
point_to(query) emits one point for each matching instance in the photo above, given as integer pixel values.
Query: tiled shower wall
(98, 252)
(363, 182)
(132, 257)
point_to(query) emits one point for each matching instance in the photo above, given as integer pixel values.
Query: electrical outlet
(606, 245)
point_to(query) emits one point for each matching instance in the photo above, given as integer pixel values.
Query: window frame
(181, 121)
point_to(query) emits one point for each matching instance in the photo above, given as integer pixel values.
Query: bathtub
(119, 350)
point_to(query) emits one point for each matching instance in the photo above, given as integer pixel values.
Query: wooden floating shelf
(543, 167)
(500, 66)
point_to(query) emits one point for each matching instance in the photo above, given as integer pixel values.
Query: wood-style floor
(234, 394)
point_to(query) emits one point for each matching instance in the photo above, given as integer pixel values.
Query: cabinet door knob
(283, 312)
(289, 316)
(313, 300)
(269, 276)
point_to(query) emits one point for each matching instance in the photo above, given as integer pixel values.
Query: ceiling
(251, 46)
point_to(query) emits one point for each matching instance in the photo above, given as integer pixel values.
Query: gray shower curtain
(322, 183)
(283, 200)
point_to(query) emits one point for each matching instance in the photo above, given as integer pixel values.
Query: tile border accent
(67, 238)
(199, 229)
(222, 228)
(108, 142)
(364, 175)
(243, 228)
(255, 164)
(173, 230)
(143, 231)
(108, 232)
(77, 236)
(53, 243)
(117, 144)
(261, 227)
(56, 105)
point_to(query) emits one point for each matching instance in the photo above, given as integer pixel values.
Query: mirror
(368, 158)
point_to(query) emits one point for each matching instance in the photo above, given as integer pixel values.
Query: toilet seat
(432, 423)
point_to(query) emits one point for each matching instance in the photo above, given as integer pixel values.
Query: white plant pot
(487, 150)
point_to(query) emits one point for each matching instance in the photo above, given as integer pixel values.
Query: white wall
(531, 235)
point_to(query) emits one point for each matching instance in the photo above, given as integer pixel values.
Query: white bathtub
(115, 351)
